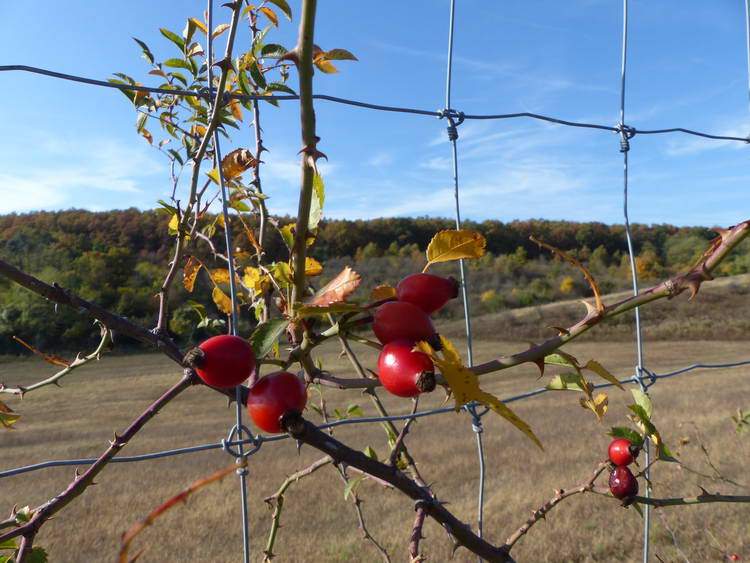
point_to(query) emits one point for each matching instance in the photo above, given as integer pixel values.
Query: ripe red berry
(622, 452)
(403, 371)
(226, 361)
(399, 320)
(622, 483)
(272, 396)
(734, 557)
(426, 291)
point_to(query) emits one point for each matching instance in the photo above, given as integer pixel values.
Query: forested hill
(118, 258)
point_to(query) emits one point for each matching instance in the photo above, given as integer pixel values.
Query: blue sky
(71, 145)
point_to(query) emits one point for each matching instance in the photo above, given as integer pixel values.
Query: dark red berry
(404, 371)
(622, 451)
(399, 320)
(226, 361)
(622, 483)
(426, 291)
(274, 395)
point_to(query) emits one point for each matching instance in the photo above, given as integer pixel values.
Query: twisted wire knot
(626, 133)
(455, 118)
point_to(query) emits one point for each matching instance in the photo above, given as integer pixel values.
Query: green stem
(304, 50)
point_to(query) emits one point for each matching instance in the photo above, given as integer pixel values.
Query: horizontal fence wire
(259, 440)
(206, 94)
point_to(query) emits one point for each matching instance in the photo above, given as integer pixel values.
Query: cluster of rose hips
(622, 482)
(225, 361)
(400, 324)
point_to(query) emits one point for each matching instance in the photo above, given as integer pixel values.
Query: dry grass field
(692, 410)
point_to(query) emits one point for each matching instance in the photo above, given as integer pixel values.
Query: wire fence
(234, 443)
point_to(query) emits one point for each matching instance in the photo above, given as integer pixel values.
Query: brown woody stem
(307, 433)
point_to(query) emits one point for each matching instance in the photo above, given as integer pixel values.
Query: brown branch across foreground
(307, 433)
(81, 482)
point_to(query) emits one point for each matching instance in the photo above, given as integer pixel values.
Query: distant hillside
(118, 259)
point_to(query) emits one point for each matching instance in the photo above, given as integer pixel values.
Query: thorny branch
(55, 379)
(307, 433)
(416, 533)
(81, 482)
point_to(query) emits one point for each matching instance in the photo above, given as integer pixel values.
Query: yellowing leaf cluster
(464, 384)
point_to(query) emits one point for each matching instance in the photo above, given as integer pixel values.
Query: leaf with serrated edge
(382, 292)
(266, 334)
(222, 301)
(642, 399)
(625, 432)
(450, 245)
(465, 386)
(7, 416)
(338, 289)
(567, 382)
(316, 203)
(560, 358)
(312, 267)
(236, 162)
(340, 55)
(602, 372)
(598, 405)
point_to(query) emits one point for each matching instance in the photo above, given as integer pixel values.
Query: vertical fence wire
(626, 133)
(747, 47)
(455, 119)
(233, 315)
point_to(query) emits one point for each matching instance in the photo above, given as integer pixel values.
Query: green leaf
(354, 409)
(187, 33)
(147, 54)
(371, 453)
(245, 85)
(140, 121)
(283, 6)
(258, 78)
(304, 311)
(6, 559)
(176, 156)
(351, 486)
(266, 334)
(178, 63)
(174, 38)
(166, 207)
(665, 454)
(602, 372)
(641, 413)
(316, 204)
(567, 382)
(642, 399)
(37, 555)
(8, 544)
(280, 87)
(624, 432)
(561, 359)
(273, 51)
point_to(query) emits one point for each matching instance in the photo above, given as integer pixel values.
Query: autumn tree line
(117, 259)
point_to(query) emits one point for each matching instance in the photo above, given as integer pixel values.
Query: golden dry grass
(319, 525)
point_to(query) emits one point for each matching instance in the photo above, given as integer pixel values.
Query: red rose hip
(226, 361)
(399, 320)
(274, 395)
(426, 291)
(404, 371)
(622, 483)
(622, 451)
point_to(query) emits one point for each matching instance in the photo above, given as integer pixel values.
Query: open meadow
(693, 410)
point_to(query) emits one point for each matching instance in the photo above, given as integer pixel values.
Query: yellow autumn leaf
(270, 14)
(464, 385)
(236, 109)
(282, 272)
(147, 136)
(174, 224)
(199, 24)
(198, 130)
(254, 280)
(236, 162)
(599, 405)
(382, 292)
(190, 273)
(222, 301)
(454, 245)
(220, 275)
(7, 416)
(313, 267)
